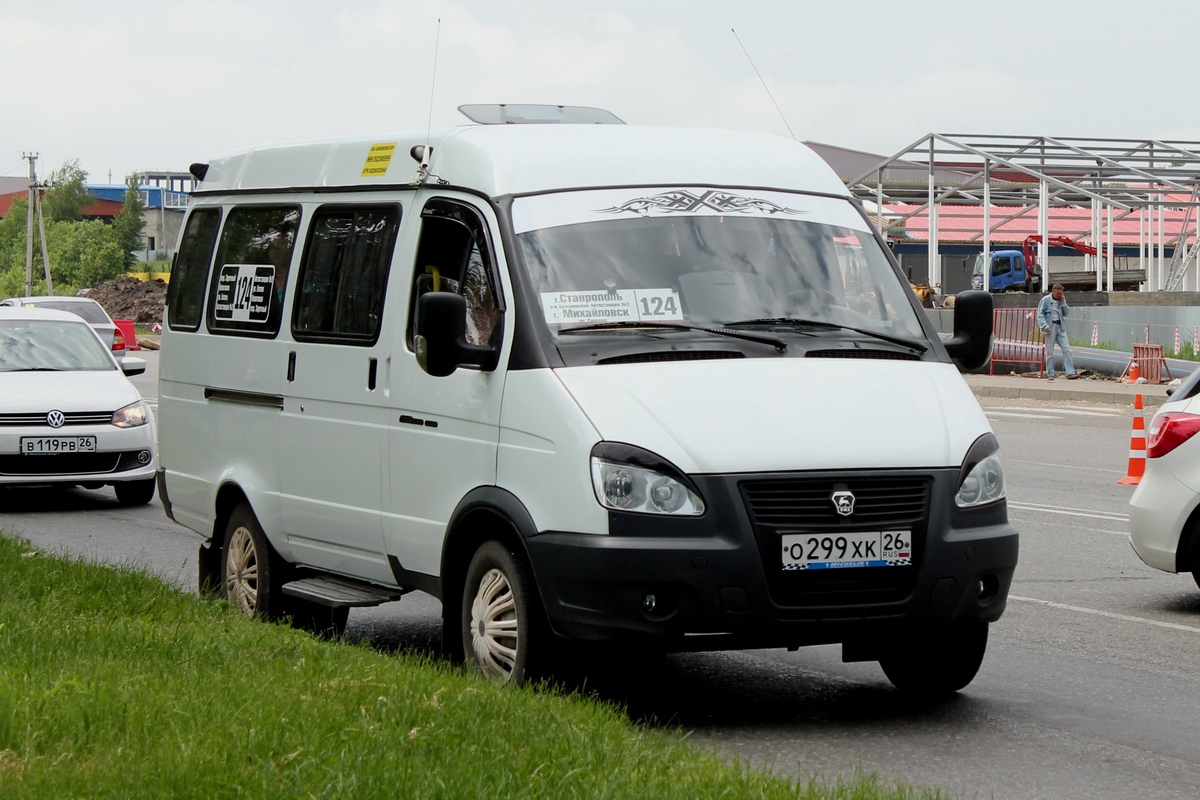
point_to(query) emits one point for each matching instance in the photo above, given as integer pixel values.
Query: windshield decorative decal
(682, 201)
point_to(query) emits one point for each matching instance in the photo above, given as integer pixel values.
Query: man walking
(1051, 314)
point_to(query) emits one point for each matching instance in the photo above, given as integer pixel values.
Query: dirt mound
(124, 297)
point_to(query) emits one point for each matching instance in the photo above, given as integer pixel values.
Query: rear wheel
(134, 493)
(502, 627)
(1192, 542)
(937, 660)
(248, 567)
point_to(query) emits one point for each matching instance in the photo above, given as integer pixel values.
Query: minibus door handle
(291, 375)
(372, 371)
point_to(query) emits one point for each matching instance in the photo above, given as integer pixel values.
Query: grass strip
(114, 684)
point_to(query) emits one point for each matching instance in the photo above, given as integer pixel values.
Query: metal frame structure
(1020, 175)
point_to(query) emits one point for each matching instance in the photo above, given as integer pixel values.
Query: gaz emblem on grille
(843, 502)
(55, 419)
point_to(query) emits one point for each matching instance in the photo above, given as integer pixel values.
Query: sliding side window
(344, 275)
(249, 281)
(185, 293)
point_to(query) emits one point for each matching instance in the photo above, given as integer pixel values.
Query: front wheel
(135, 493)
(936, 660)
(501, 615)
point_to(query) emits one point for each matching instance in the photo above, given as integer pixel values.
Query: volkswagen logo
(55, 419)
(843, 502)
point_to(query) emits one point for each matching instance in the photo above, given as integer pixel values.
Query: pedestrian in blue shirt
(1051, 314)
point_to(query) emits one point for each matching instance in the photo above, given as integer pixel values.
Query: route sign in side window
(185, 293)
(249, 280)
(343, 277)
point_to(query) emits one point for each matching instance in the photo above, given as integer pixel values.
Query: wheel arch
(229, 496)
(487, 512)
(1187, 550)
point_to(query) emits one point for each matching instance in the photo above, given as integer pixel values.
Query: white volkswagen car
(1164, 513)
(68, 414)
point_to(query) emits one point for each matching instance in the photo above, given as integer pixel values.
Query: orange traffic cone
(1137, 445)
(1135, 372)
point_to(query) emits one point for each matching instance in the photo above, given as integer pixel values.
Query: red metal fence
(1150, 361)
(1016, 338)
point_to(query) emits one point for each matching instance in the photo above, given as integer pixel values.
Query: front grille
(72, 418)
(68, 464)
(805, 504)
(672, 355)
(799, 505)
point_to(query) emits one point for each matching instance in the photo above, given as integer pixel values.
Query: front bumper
(716, 581)
(122, 454)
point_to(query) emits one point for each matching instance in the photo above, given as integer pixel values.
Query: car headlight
(131, 416)
(624, 487)
(983, 484)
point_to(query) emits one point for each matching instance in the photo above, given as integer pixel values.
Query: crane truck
(1017, 270)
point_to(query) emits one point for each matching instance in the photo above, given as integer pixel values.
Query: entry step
(340, 592)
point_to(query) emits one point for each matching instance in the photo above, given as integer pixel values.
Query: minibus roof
(498, 160)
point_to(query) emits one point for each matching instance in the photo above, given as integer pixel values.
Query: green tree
(128, 226)
(67, 197)
(83, 253)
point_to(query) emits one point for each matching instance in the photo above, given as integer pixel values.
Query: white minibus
(578, 380)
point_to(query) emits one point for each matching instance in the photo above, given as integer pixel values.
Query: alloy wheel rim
(241, 576)
(495, 635)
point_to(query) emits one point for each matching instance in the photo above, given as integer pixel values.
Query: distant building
(164, 194)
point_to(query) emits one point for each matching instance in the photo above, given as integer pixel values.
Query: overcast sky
(128, 85)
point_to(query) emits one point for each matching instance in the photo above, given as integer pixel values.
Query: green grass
(115, 685)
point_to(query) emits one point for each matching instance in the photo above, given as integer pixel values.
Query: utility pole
(32, 157)
(35, 205)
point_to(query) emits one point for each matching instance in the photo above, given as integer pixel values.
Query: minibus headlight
(628, 488)
(983, 484)
(131, 416)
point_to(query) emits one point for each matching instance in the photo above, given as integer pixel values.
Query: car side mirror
(441, 336)
(971, 344)
(131, 366)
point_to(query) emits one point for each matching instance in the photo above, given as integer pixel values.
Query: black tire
(1192, 543)
(134, 493)
(937, 660)
(249, 567)
(503, 632)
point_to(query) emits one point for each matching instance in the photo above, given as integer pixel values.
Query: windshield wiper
(774, 341)
(34, 369)
(805, 323)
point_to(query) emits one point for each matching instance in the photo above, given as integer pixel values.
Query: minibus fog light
(983, 484)
(627, 488)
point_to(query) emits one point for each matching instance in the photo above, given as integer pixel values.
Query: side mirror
(131, 365)
(971, 344)
(441, 335)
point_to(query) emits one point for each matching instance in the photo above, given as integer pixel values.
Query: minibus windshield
(703, 257)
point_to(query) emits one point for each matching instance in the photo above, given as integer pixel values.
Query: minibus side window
(248, 285)
(185, 293)
(344, 273)
(454, 255)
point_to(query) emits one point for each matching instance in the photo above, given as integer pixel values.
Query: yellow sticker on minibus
(378, 158)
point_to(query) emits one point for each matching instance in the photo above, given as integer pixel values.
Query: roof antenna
(423, 152)
(764, 83)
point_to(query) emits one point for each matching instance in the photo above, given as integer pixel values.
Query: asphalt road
(1089, 688)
